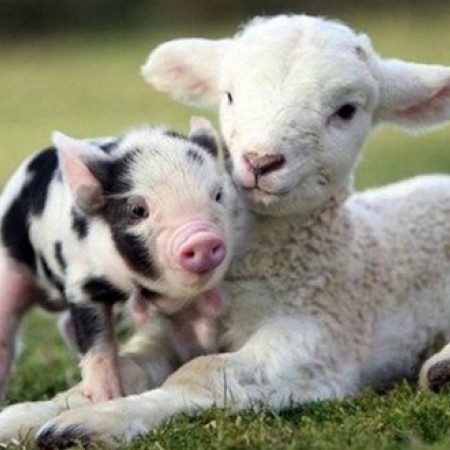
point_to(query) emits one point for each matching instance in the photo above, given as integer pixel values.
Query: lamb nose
(263, 164)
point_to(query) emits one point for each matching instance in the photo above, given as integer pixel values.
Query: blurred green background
(73, 65)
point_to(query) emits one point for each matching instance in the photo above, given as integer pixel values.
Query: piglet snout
(202, 252)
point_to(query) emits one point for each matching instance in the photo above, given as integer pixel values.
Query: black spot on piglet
(175, 134)
(87, 324)
(59, 256)
(30, 201)
(207, 141)
(135, 252)
(195, 156)
(50, 275)
(15, 234)
(99, 289)
(148, 294)
(42, 168)
(79, 224)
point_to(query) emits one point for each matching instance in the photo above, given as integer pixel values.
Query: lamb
(85, 225)
(334, 291)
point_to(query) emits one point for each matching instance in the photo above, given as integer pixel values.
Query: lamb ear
(187, 69)
(86, 189)
(413, 95)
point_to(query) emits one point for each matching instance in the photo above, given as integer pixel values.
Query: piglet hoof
(98, 392)
(101, 378)
(435, 376)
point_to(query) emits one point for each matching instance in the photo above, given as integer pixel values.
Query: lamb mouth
(261, 192)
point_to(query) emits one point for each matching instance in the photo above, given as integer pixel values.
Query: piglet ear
(85, 188)
(413, 95)
(203, 133)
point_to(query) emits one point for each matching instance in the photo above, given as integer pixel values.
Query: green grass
(402, 418)
(88, 85)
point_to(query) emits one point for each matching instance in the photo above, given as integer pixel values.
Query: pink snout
(202, 252)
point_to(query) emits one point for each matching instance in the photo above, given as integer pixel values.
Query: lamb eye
(346, 112)
(219, 196)
(229, 97)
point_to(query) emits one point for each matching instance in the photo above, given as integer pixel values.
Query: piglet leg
(17, 295)
(95, 337)
(193, 329)
(140, 308)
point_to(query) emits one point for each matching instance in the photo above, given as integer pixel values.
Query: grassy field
(88, 85)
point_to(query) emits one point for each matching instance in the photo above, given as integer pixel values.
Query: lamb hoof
(438, 376)
(50, 439)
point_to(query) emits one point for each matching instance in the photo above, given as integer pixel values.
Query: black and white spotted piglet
(86, 224)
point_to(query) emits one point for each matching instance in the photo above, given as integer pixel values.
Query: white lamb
(334, 292)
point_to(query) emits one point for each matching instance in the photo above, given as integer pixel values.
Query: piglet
(191, 327)
(86, 224)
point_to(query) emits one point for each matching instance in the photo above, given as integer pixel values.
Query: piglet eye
(139, 212)
(229, 97)
(346, 112)
(138, 208)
